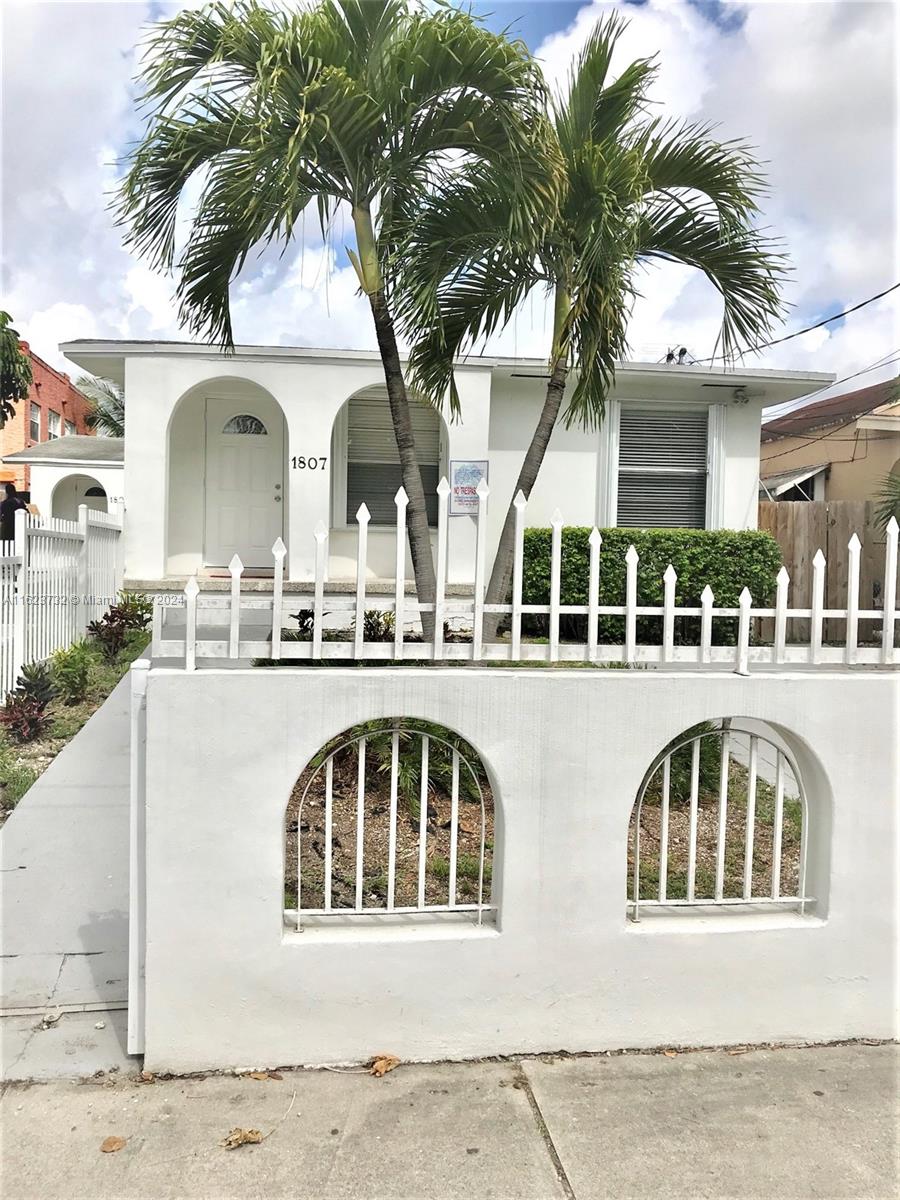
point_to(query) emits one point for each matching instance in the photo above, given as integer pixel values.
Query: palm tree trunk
(501, 575)
(416, 514)
(368, 269)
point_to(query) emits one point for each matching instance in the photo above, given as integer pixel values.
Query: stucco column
(468, 438)
(151, 401)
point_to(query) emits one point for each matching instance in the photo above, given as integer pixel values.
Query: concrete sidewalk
(773, 1124)
(64, 890)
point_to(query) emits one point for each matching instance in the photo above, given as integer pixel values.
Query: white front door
(244, 480)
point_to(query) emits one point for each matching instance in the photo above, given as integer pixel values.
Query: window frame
(34, 415)
(52, 434)
(609, 470)
(340, 461)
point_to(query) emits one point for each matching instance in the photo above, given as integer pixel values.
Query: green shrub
(378, 626)
(726, 559)
(36, 683)
(72, 672)
(131, 614)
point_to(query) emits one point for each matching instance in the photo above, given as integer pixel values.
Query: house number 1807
(299, 463)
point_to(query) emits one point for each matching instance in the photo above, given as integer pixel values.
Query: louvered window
(373, 463)
(662, 468)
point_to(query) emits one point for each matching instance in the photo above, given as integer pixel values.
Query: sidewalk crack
(524, 1085)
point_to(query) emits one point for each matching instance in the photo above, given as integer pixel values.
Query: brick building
(54, 408)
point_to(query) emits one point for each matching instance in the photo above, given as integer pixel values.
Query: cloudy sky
(812, 85)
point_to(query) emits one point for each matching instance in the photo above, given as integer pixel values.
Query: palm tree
(634, 188)
(106, 413)
(363, 103)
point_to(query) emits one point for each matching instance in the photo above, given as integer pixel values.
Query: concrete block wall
(225, 984)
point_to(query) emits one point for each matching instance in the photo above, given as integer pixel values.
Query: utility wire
(809, 328)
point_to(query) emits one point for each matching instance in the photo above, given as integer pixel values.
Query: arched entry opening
(226, 479)
(74, 490)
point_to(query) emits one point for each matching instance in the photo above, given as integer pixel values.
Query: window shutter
(373, 462)
(662, 468)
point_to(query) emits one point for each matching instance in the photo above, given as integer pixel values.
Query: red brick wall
(51, 391)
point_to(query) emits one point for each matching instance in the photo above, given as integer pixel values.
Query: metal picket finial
(595, 537)
(401, 499)
(191, 588)
(519, 500)
(482, 491)
(279, 549)
(236, 567)
(443, 488)
(320, 532)
(363, 515)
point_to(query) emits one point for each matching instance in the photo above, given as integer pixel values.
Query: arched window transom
(245, 423)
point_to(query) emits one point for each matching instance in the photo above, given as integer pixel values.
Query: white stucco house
(74, 470)
(224, 453)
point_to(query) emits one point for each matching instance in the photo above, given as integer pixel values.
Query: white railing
(350, 854)
(269, 615)
(55, 578)
(683, 857)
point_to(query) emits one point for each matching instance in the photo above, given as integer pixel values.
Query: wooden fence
(801, 529)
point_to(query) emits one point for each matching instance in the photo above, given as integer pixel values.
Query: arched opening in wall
(394, 816)
(720, 823)
(366, 463)
(74, 490)
(227, 483)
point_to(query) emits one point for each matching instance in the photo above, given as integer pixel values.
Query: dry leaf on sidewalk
(670, 1053)
(259, 1074)
(382, 1063)
(111, 1144)
(241, 1137)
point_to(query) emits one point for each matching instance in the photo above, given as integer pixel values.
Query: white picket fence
(55, 578)
(254, 624)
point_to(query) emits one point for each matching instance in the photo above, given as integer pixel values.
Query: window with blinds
(662, 468)
(373, 463)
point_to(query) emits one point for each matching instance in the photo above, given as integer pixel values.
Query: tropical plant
(115, 630)
(15, 370)
(634, 188)
(357, 103)
(106, 413)
(887, 499)
(72, 672)
(25, 711)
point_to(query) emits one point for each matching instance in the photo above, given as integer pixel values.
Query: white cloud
(810, 84)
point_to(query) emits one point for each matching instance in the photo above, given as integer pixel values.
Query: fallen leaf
(274, 1075)
(739, 1050)
(670, 1053)
(241, 1137)
(382, 1063)
(259, 1074)
(111, 1144)
(148, 1077)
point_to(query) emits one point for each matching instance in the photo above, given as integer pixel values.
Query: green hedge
(726, 559)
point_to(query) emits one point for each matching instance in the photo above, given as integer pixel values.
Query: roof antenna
(682, 355)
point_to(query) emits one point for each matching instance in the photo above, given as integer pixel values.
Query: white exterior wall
(45, 477)
(228, 986)
(164, 533)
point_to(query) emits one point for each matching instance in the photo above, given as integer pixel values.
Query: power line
(789, 406)
(809, 328)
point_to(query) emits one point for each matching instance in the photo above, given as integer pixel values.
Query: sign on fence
(464, 480)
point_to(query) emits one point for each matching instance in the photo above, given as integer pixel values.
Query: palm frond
(106, 413)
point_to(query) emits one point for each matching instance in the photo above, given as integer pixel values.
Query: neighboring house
(835, 449)
(73, 470)
(54, 409)
(224, 453)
